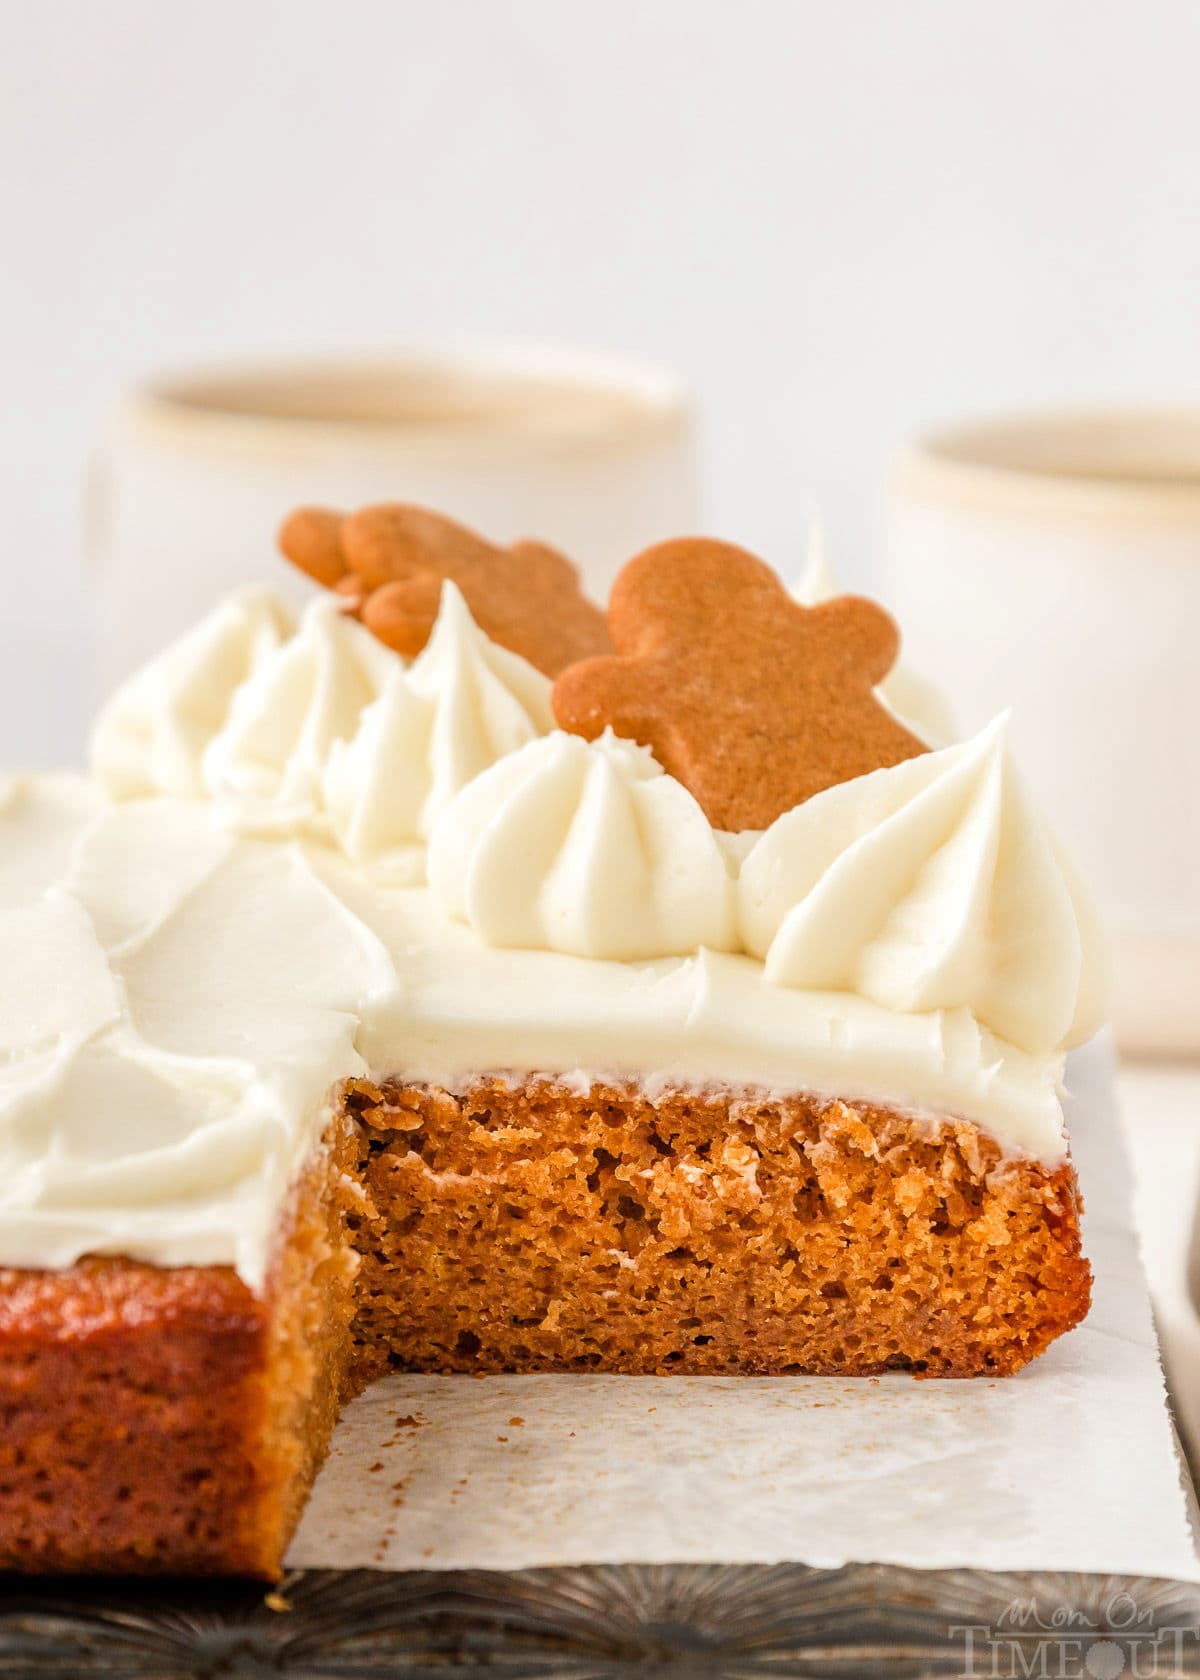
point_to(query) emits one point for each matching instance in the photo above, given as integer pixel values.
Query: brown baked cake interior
(527, 1228)
(167, 1419)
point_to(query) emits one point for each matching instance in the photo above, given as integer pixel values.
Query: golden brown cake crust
(532, 1228)
(165, 1419)
(129, 1418)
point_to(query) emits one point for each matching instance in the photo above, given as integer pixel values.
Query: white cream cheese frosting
(589, 848)
(265, 765)
(314, 727)
(191, 974)
(463, 704)
(711, 1018)
(930, 885)
(40, 820)
(153, 734)
(179, 1011)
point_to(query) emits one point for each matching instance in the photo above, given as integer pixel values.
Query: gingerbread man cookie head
(390, 561)
(752, 701)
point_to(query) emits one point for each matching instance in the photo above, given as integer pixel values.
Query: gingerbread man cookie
(390, 562)
(752, 701)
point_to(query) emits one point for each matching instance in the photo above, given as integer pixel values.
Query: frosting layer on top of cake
(180, 1002)
(304, 859)
(177, 1005)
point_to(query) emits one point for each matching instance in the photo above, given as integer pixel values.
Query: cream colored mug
(198, 470)
(1054, 561)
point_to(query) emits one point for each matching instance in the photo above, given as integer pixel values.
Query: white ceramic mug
(1054, 562)
(198, 471)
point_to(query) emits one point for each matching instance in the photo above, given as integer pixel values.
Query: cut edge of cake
(170, 1421)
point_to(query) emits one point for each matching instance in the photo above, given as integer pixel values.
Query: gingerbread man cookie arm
(858, 638)
(311, 538)
(594, 695)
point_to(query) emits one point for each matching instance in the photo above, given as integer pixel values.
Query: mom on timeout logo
(1030, 1642)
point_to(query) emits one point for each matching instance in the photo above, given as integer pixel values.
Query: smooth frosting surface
(40, 818)
(302, 859)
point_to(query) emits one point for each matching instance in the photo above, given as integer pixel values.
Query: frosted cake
(446, 977)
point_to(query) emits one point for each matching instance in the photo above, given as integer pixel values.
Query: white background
(840, 219)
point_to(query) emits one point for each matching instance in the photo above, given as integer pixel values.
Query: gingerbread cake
(452, 977)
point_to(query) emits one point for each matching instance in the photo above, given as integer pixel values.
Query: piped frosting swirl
(584, 847)
(316, 728)
(153, 734)
(463, 704)
(930, 885)
(265, 765)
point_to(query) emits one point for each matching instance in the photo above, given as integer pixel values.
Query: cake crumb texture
(528, 1228)
(168, 1420)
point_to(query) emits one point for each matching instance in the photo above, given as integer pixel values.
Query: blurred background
(838, 224)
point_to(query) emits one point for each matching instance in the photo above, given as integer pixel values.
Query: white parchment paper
(1070, 1465)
